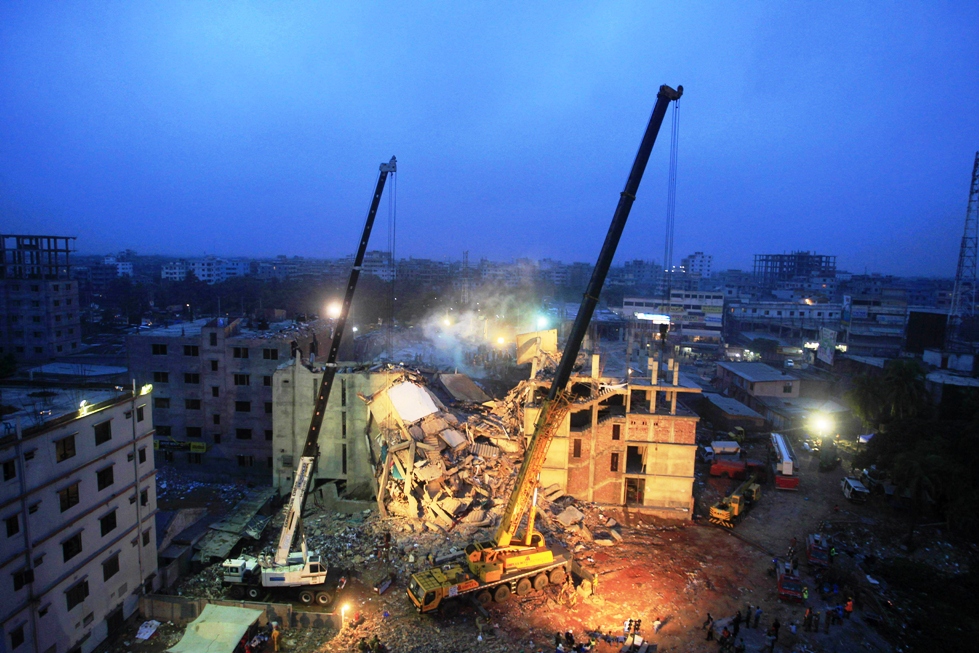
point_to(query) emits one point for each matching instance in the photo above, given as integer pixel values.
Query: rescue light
(333, 310)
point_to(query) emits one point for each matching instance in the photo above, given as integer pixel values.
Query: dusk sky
(256, 129)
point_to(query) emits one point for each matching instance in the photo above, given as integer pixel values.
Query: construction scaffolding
(35, 257)
(772, 268)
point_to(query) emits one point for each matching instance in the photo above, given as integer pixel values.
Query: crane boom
(307, 462)
(555, 408)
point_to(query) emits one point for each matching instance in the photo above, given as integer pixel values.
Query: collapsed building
(435, 447)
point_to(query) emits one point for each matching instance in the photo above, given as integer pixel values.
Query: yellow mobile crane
(521, 561)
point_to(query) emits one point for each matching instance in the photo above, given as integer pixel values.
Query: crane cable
(671, 209)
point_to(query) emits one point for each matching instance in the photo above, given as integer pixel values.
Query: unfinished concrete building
(345, 455)
(625, 443)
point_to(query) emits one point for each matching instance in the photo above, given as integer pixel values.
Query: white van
(854, 490)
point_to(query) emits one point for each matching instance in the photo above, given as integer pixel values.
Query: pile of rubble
(447, 468)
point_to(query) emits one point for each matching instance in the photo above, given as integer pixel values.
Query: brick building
(624, 443)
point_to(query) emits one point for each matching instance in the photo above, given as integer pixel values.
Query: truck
(299, 572)
(719, 448)
(785, 465)
(522, 562)
(734, 467)
(788, 583)
(731, 509)
(817, 550)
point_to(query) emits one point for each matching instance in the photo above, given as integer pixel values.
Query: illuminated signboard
(655, 318)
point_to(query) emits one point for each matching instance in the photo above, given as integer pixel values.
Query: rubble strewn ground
(646, 568)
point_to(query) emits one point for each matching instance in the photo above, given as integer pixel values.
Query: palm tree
(904, 392)
(866, 399)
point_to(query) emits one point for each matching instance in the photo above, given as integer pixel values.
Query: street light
(333, 310)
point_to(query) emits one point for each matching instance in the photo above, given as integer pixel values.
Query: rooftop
(283, 329)
(36, 407)
(731, 406)
(946, 378)
(757, 372)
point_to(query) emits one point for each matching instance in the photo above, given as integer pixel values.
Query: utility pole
(964, 292)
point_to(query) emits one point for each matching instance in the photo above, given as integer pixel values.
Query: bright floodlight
(542, 322)
(447, 322)
(333, 310)
(500, 340)
(823, 424)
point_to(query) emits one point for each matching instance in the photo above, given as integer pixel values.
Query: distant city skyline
(257, 130)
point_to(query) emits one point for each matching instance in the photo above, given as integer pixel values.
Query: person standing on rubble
(757, 616)
(275, 638)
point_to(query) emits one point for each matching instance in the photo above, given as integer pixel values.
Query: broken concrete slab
(570, 515)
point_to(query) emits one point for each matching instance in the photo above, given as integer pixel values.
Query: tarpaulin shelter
(218, 629)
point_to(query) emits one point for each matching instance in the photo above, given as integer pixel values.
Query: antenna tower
(964, 292)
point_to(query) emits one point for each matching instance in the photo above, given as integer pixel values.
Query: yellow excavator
(521, 561)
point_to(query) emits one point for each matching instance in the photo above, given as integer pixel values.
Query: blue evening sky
(256, 129)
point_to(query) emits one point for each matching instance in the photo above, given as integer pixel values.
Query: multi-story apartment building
(213, 388)
(697, 264)
(39, 312)
(78, 499)
(787, 319)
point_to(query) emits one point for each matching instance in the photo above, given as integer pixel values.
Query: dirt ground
(674, 571)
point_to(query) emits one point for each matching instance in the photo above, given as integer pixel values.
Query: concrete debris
(570, 515)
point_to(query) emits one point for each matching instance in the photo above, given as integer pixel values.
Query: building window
(13, 525)
(215, 391)
(161, 377)
(217, 438)
(161, 402)
(216, 418)
(130, 456)
(9, 469)
(64, 448)
(343, 425)
(576, 452)
(68, 497)
(72, 546)
(343, 392)
(192, 350)
(144, 497)
(270, 462)
(142, 455)
(615, 463)
(192, 377)
(159, 350)
(270, 354)
(268, 434)
(243, 406)
(105, 477)
(267, 381)
(16, 637)
(616, 431)
(343, 459)
(110, 567)
(214, 366)
(194, 432)
(139, 414)
(213, 340)
(245, 461)
(103, 432)
(787, 388)
(23, 577)
(268, 409)
(243, 434)
(240, 352)
(242, 379)
(195, 458)
(108, 523)
(33, 508)
(164, 429)
(76, 594)
(192, 404)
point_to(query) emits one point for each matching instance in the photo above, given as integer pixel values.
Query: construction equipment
(789, 583)
(732, 508)
(521, 561)
(817, 550)
(298, 569)
(786, 465)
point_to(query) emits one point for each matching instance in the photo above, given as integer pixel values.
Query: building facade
(39, 312)
(345, 453)
(78, 500)
(213, 388)
(625, 444)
